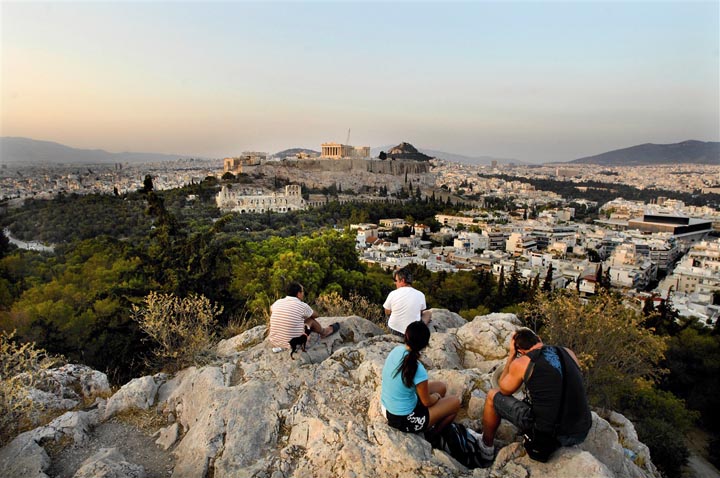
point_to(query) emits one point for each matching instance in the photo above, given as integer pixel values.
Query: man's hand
(513, 352)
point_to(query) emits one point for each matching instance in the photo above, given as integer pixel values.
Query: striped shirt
(287, 320)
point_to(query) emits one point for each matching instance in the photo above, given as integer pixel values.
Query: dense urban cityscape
(651, 251)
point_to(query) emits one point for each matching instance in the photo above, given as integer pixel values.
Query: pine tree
(547, 283)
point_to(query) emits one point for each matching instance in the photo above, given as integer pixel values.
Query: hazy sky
(534, 81)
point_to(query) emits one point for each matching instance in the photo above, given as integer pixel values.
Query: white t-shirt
(405, 304)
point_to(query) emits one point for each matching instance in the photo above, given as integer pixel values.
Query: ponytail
(417, 336)
(409, 367)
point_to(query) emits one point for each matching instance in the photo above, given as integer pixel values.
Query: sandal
(335, 328)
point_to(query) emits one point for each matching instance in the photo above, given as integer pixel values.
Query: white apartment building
(469, 242)
(629, 269)
(697, 272)
(518, 243)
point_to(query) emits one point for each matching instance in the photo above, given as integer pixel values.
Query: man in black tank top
(556, 403)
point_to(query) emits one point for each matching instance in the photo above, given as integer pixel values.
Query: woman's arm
(425, 396)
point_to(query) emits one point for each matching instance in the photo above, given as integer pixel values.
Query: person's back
(287, 320)
(406, 305)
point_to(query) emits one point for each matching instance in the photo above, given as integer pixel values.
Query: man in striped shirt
(290, 315)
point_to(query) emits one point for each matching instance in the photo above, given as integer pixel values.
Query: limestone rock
(569, 462)
(64, 388)
(602, 441)
(109, 463)
(487, 338)
(231, 346)
(75, 382)
(443, 352)
(24, 457)
(629, 438)
(256, 413)
(168, 436)
(138, 393)
(443, 320)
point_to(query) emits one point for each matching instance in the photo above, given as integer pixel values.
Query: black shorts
(517, 412)
(416, 421)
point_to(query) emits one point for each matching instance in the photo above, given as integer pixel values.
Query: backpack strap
(561, 355)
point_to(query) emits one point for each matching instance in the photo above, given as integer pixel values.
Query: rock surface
(255, 413)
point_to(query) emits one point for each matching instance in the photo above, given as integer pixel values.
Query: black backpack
(456, 441)
(541, 444)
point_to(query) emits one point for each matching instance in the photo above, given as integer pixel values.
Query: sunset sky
(533, 81)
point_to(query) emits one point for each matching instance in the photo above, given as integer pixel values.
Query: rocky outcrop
(351, 173)
(256, 413)
(407, 151)
(109, 463)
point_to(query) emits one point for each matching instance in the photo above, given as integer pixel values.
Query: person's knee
(457, 403)
(490, 399)
(442, 389)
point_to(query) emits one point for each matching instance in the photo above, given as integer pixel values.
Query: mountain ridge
(15, 150)
(684, 152)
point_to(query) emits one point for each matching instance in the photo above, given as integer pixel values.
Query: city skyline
(534, 81)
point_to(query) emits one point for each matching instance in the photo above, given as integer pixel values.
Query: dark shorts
(519, 413)
(416, 421)
(513, 410)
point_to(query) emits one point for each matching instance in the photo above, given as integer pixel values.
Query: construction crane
(347, 141)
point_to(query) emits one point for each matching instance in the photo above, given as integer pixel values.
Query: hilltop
(694, 152)
(254, 413)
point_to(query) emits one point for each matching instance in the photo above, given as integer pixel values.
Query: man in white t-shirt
(405, 304)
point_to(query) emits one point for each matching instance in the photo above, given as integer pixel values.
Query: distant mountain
(457, 158)
(288, 153)
(26, 151)
(687, 152)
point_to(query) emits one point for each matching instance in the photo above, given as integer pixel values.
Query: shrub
(613, 348)
(470, 314)
(183, 329)
(21, 367)
(244, 320)
(334, 305)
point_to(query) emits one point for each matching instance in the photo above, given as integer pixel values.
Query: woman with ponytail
(410, 402)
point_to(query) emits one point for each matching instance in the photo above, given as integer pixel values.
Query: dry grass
(243, 321)
(147, 421)
(183, 328)
(21, 368)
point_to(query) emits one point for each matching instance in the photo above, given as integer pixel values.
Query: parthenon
(343, 151)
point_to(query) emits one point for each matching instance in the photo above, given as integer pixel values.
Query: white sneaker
(487, 452)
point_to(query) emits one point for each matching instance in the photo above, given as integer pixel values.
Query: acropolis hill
(344, 172)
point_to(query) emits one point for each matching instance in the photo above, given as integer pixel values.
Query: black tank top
(544, 381)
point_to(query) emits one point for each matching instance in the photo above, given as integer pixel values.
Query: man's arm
(572, 355)
(388, 312)
(513, 371)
